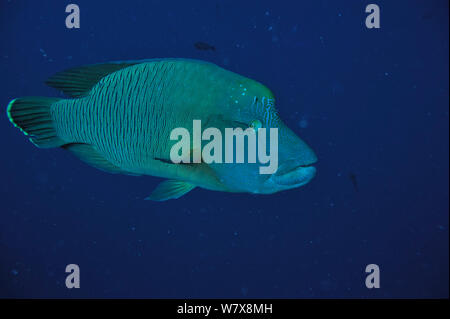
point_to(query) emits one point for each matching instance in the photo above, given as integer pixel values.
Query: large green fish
(120, 115)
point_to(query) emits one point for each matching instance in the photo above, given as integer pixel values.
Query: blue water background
(371, 103)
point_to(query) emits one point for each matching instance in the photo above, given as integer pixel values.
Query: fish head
(294, 158)
(295, 163)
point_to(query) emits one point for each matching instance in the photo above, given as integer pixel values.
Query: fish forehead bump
(246, 87)
(247, 95)
(235, 86)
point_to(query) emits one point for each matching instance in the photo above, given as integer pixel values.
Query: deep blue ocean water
(372, 103)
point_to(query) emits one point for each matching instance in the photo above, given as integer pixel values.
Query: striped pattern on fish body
(129, 114)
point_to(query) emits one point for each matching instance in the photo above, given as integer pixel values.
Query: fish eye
(256, 124)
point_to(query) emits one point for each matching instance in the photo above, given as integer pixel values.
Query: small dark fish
(204, 46)
(427, 16)
(352, 177)
(218, 10)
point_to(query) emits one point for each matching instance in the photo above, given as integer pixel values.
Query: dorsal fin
(78, 81)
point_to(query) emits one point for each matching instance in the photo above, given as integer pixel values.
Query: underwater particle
(327, 285)
(44, 54)
(42, 178)
(244, 291)
(322, 40)
(386, 73)
(14, 272)
(133, 228)
(303, 123)
(274, 39)
(332, 204)
(235, 233)
(267, 13)
(337, 88)
(270, 28)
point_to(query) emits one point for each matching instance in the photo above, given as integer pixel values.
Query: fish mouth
(294, 175)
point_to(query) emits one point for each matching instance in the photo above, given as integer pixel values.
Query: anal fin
(170, 189)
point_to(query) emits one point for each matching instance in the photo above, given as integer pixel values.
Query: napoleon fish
(119, 116)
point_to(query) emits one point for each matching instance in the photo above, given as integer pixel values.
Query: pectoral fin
(186, 159)
(170, 189)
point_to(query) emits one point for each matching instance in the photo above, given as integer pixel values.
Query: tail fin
(32, 116)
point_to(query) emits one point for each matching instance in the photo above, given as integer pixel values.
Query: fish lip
(295, 176)
(282, 171)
